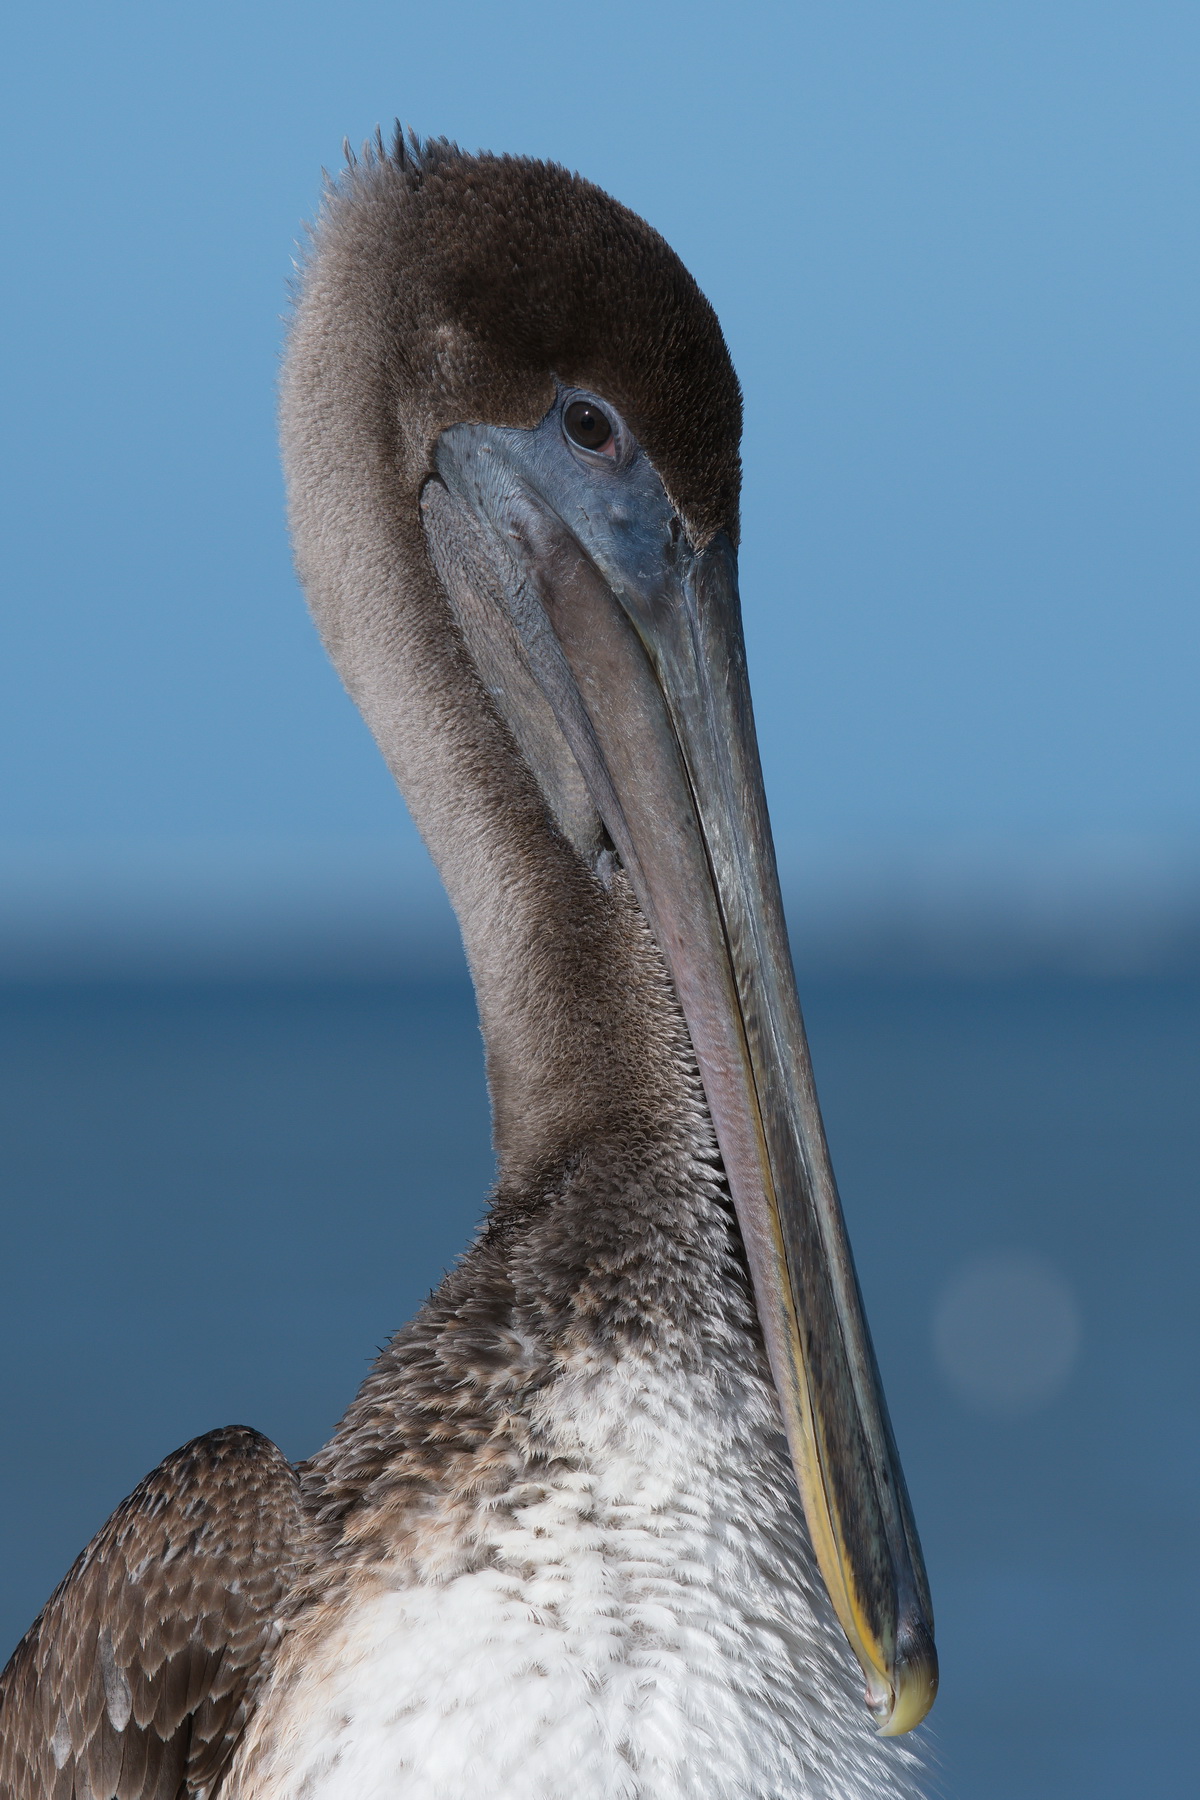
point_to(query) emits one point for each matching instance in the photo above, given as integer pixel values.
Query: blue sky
(954, 249)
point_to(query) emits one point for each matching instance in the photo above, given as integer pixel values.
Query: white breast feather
(648, 1629)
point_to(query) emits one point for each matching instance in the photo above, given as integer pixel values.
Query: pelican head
(511, 429)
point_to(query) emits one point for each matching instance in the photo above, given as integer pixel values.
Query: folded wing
(136, 1680)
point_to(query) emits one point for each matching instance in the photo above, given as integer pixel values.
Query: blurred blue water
(220, 1198)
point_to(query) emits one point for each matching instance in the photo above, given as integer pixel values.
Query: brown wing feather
(140, 1672)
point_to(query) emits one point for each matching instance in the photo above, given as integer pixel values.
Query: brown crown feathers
(498, 274)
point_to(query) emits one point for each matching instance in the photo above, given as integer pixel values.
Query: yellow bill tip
(901, 1704)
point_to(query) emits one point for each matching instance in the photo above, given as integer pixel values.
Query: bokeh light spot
(1006, 1333)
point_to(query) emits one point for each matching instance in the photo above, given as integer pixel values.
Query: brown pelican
(602, 1518)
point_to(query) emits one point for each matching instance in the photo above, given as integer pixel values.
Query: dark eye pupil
(586, 425)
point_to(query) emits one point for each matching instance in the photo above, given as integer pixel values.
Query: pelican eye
(591, 429)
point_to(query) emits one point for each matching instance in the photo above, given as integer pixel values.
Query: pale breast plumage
(645, 1626)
